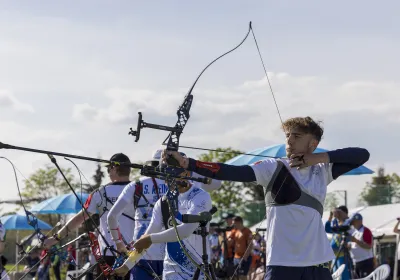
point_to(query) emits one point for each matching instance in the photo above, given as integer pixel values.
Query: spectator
(361, 247)
(214, 244)
(226, 241)
(31, 261)
(340, 215)
(397, 230)
(71, 258)
(242, 238)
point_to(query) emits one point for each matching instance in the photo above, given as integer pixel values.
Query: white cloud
(8, 100)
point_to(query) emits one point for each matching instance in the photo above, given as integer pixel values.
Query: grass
(21, 267)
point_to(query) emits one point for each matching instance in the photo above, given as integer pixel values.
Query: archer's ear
(314, 144)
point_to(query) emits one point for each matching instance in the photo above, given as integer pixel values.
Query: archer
(192, 199)
(99, 202)
(295, 189)
(144, 195)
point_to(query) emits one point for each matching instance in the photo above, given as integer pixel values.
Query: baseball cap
(343, 208)
(157, 156)
(357, 216)
(120, 157)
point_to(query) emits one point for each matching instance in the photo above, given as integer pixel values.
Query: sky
(73, 77)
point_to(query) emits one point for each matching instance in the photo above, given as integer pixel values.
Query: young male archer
(144, 195)
(99, 202)
(192, 199)
(297, 247)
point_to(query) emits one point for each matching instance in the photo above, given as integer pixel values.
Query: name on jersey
(162, 189)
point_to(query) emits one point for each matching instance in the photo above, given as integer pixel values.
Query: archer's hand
(121, 271)
(143, 243)
(304, 160)
(121, 247)
(49, 242)
(183, 162)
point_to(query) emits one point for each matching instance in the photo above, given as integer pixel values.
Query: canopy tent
(380, 219)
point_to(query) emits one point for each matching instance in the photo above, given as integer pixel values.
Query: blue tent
(62, 204)
(20, 222)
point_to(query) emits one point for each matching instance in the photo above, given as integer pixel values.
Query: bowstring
(15, 168)
(280, 118)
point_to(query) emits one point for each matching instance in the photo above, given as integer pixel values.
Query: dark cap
(343, 208)
(357, 216)
(120, 157)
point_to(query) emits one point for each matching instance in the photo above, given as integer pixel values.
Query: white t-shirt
(295, 234)
(143, 214)
(176, 264)
(95, 204)
(358, 253)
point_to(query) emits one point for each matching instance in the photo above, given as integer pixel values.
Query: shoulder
(198, 193)
(367, 230)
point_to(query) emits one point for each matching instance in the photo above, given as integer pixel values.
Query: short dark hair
(238, 219)
(343, 208)
(123, 170)
(306, 125)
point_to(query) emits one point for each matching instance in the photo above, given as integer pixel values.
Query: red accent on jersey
(213, 167)
(87, 203)
(367, 236)
(258, 162)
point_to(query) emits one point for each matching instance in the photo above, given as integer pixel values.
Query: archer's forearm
(169, 235)
(73, 224)
(221, 171)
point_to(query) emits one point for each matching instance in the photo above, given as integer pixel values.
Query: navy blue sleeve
(347, 159)
(223, 172)
(328, 227)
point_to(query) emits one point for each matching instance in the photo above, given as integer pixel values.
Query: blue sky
(81, 71)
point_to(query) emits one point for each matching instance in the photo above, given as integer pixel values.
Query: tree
(98, 177)
(331, 201)
(45, 183)
(231, 196)
(48, 182)
(384, 189)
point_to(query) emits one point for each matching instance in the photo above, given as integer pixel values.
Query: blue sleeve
(328, 227)
(347, 159)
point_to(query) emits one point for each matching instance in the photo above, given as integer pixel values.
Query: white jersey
(143, 214)
(295, 234)
(176, 264)
(98, 204)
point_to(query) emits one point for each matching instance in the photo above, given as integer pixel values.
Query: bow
(157, 172)
(172, 141)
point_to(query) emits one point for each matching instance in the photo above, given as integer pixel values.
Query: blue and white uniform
(152, 261)
(177, 266)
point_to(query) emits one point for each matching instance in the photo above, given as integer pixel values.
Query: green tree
(331, 201)
(245, 199)
(45, 183)
(97, 177)
(384, 189)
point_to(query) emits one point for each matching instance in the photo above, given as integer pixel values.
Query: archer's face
(298, 142)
